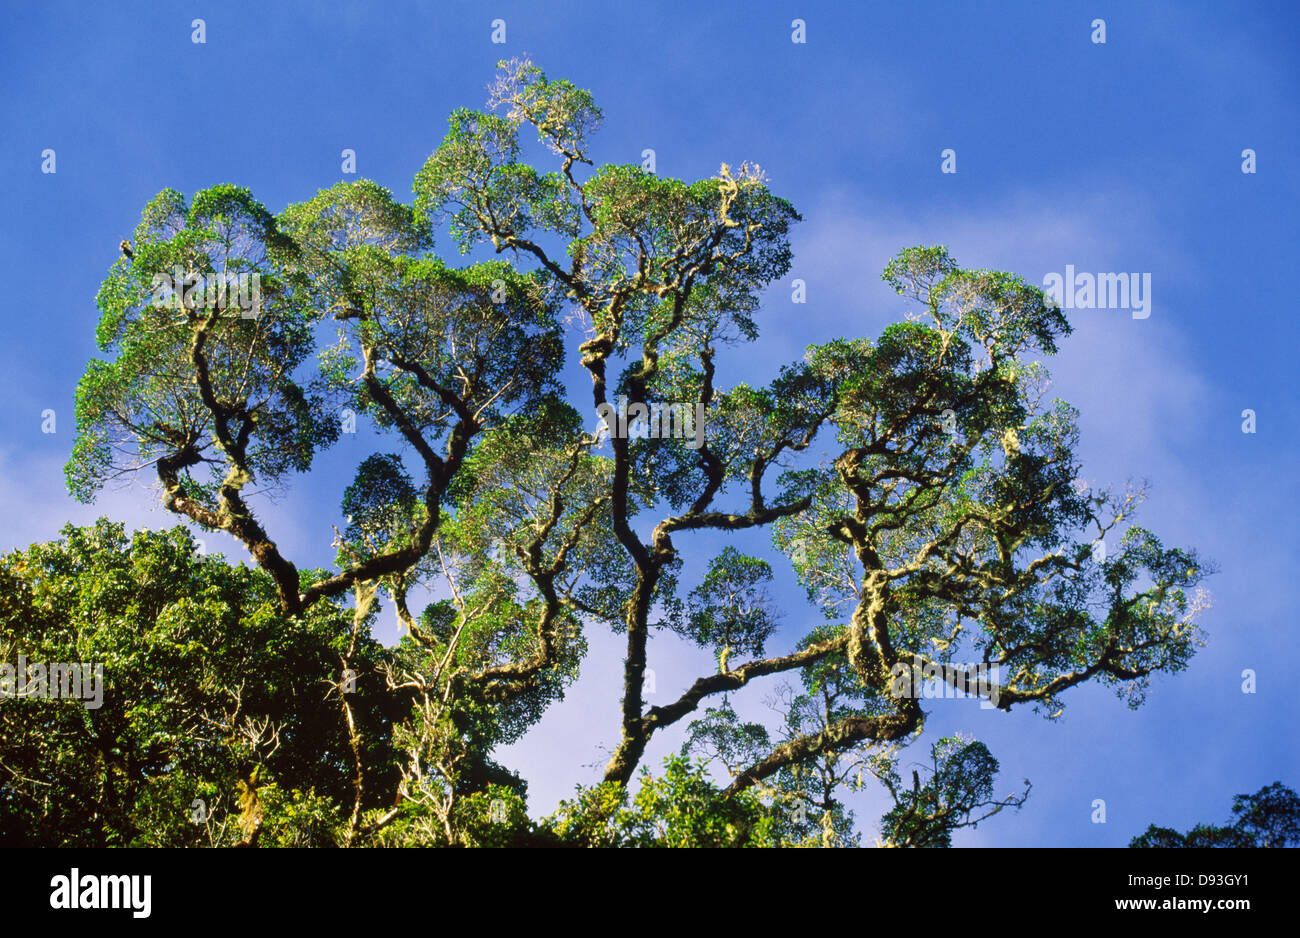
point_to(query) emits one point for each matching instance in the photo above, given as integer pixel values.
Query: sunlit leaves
(198, 365)
(679, 808)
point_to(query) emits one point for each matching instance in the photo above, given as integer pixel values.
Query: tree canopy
(947, 523)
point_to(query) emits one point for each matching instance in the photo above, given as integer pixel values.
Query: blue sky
(1123, 156)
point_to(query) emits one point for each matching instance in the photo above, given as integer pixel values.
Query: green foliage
(204, 682)
(380, 505)
(959, 786)
(729, 610)
(143, 404)
(721, 735)
(680, 808)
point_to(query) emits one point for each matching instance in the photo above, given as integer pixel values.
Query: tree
(947, 524)
(208, 695)
(1268, 818)
(958, 792)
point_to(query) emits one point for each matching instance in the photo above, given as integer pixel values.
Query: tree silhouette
(1268, 818)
